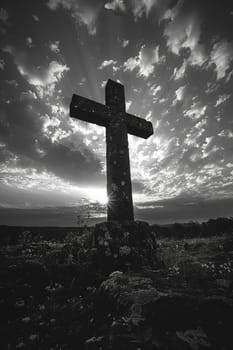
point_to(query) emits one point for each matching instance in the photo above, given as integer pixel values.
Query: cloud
(107, 63)
(79, 165)
(125, 43)
(226, 133)
(28, 95)
(221, 99)
(103, 84)
(54, 46)
(32, 135)
(44, 78)
(20, 126)
(195, 133)
(36, 18)
(144, 62)
(115, 5)
(181, 96)
(154, 89)
(179, 72)
(84, 12)
(29, 42)
(180, 93)
(196, 111)
(41, 77)
(128, 104)
(221, 56)
(183, 31)
(141, 7)
(34, 140)
(12, 82)
(149, 116)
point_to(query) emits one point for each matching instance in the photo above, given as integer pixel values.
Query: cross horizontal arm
(93, 112)
(138, 126)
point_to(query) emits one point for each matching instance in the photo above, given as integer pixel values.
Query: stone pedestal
(123, 246)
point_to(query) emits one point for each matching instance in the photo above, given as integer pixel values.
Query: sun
(97, 194)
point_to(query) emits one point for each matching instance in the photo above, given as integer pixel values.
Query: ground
(54, 297)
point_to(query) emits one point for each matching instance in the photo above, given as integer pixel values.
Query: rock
(130, 294)
(194, 338)
(144, 315)
(116, 274)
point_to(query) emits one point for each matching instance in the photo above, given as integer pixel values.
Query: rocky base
(60, 295)
(123, 246)
(146, 318)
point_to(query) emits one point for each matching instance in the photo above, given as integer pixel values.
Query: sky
(175, 60)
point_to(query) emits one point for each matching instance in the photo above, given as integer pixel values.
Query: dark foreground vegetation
(53, 296)
(212, 227)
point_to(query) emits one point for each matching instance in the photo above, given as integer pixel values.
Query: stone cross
(118, 124)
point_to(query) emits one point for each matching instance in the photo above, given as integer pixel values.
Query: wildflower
(19, 303)
(20, 345)
(107, 235)
(124, 250)
(91, 340)
(108, 252)
(33, 337)
(126, 234)
(94, 340)
(101, 241)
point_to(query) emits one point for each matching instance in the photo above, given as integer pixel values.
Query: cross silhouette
(118, 124)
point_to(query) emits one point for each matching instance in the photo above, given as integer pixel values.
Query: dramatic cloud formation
(144, 62)
(44, 78)
(221, 56)
(183, 32)
(84, 12)
(115, 5)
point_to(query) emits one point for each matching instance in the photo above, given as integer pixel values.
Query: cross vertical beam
(118, 124)
(119, 187)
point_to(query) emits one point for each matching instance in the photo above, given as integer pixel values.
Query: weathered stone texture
(118, 124)
(119, 188)
(126, 246)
